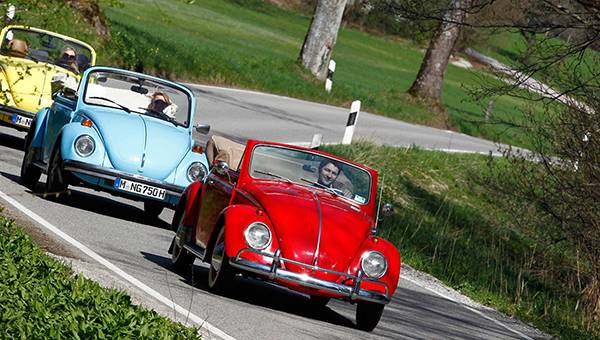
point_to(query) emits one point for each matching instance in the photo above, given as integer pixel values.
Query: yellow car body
(26, 80)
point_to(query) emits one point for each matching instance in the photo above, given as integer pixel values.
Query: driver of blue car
(160, 102)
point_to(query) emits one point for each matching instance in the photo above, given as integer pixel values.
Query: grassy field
(40, 298)
(450, 224)
(254, 45)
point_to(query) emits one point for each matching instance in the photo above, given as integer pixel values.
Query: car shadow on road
(258, 293)
(11, 141)
(94, 203)
(413, 312)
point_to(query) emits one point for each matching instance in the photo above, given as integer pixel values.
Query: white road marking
(467, 307)
(196, 319)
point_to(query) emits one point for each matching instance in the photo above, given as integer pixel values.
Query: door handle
(211, 181)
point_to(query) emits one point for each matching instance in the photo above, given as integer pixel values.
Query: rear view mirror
(202, 128)
(139, 89)
(221, 168)
(387, 210)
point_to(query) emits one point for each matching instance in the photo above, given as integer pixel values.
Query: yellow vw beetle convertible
(35, 63)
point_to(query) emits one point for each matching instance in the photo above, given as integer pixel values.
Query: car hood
(30, 82)
(140, 144)
(294, 211)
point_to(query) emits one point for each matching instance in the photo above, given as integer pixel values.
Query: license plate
(139, 188)
(20, 120)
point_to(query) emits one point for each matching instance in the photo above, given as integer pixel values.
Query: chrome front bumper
(112, 174)
(354, 292)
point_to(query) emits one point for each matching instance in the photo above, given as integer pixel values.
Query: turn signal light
(197, 149)
(86, 122)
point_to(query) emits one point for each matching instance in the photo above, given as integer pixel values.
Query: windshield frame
(318, 154)
(65, 38)
(184, 91)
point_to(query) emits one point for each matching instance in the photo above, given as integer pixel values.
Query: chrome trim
(316, 260)
(112, 174)
(268, 230)
(274, 271)
(365, 255)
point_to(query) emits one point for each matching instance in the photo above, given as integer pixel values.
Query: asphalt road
(117, 230)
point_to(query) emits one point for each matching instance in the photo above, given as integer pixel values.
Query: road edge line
(467, 307)
(171, 304)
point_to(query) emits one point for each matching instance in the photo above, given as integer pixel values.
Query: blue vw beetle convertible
(123, 132)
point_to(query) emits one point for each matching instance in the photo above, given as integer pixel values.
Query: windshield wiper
(161, 114)
(124, 108)
(331, 190)
(274, 175)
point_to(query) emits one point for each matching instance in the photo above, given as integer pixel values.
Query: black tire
(368, 315)
(153, 209)
(319, 301)
(220, 273)
(181, 259)
(30, 174)
(56, 181)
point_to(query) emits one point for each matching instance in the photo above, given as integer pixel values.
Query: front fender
(69, 134)
(6, 97)
(374, 243)
(39, 129)
(237, 219)
(179, 175)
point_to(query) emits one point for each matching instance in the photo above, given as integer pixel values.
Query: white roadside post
(316, 141)
(352, 118)
(329, 80)
(10, 12)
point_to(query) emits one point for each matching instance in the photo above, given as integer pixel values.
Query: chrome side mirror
(387, 210)
(202, 128)
(222, 168)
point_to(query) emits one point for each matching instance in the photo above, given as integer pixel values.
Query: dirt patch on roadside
(39, 236)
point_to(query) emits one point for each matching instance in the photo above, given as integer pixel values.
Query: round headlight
(196, 172)
(85, 145)
(258, 235)
(374, 264)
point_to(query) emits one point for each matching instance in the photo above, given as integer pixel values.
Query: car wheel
(56, 183)
(220, 273)
(153, 209)
(181, 259)
(30, 174)
(319, 301)
(368, 315)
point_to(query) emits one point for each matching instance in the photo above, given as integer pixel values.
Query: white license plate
(20, 120)
(139, 188)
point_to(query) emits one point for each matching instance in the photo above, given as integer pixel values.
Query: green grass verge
(40, 298)
(449, 224)
(255, 45)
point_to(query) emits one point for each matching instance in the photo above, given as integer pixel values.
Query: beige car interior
(222, 149)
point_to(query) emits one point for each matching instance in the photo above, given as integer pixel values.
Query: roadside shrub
(40, 299)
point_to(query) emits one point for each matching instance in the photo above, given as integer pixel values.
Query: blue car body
(149, 153)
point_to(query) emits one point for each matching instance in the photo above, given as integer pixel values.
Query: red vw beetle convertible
(298, 217)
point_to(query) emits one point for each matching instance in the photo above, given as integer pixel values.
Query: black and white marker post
(329, 80)
(352, 118)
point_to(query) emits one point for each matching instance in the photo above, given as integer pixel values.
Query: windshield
(311, 169)
(138, 94)
(47, 48)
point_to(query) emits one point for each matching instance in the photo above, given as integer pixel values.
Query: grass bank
(252, 44)
(41, 298)
(448, 223)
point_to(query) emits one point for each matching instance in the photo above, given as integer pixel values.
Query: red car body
(318, 239)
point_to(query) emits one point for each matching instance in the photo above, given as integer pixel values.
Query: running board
(194, 249)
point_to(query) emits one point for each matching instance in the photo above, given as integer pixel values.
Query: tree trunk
(90, 10)
(321, 36)
(431, 74)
